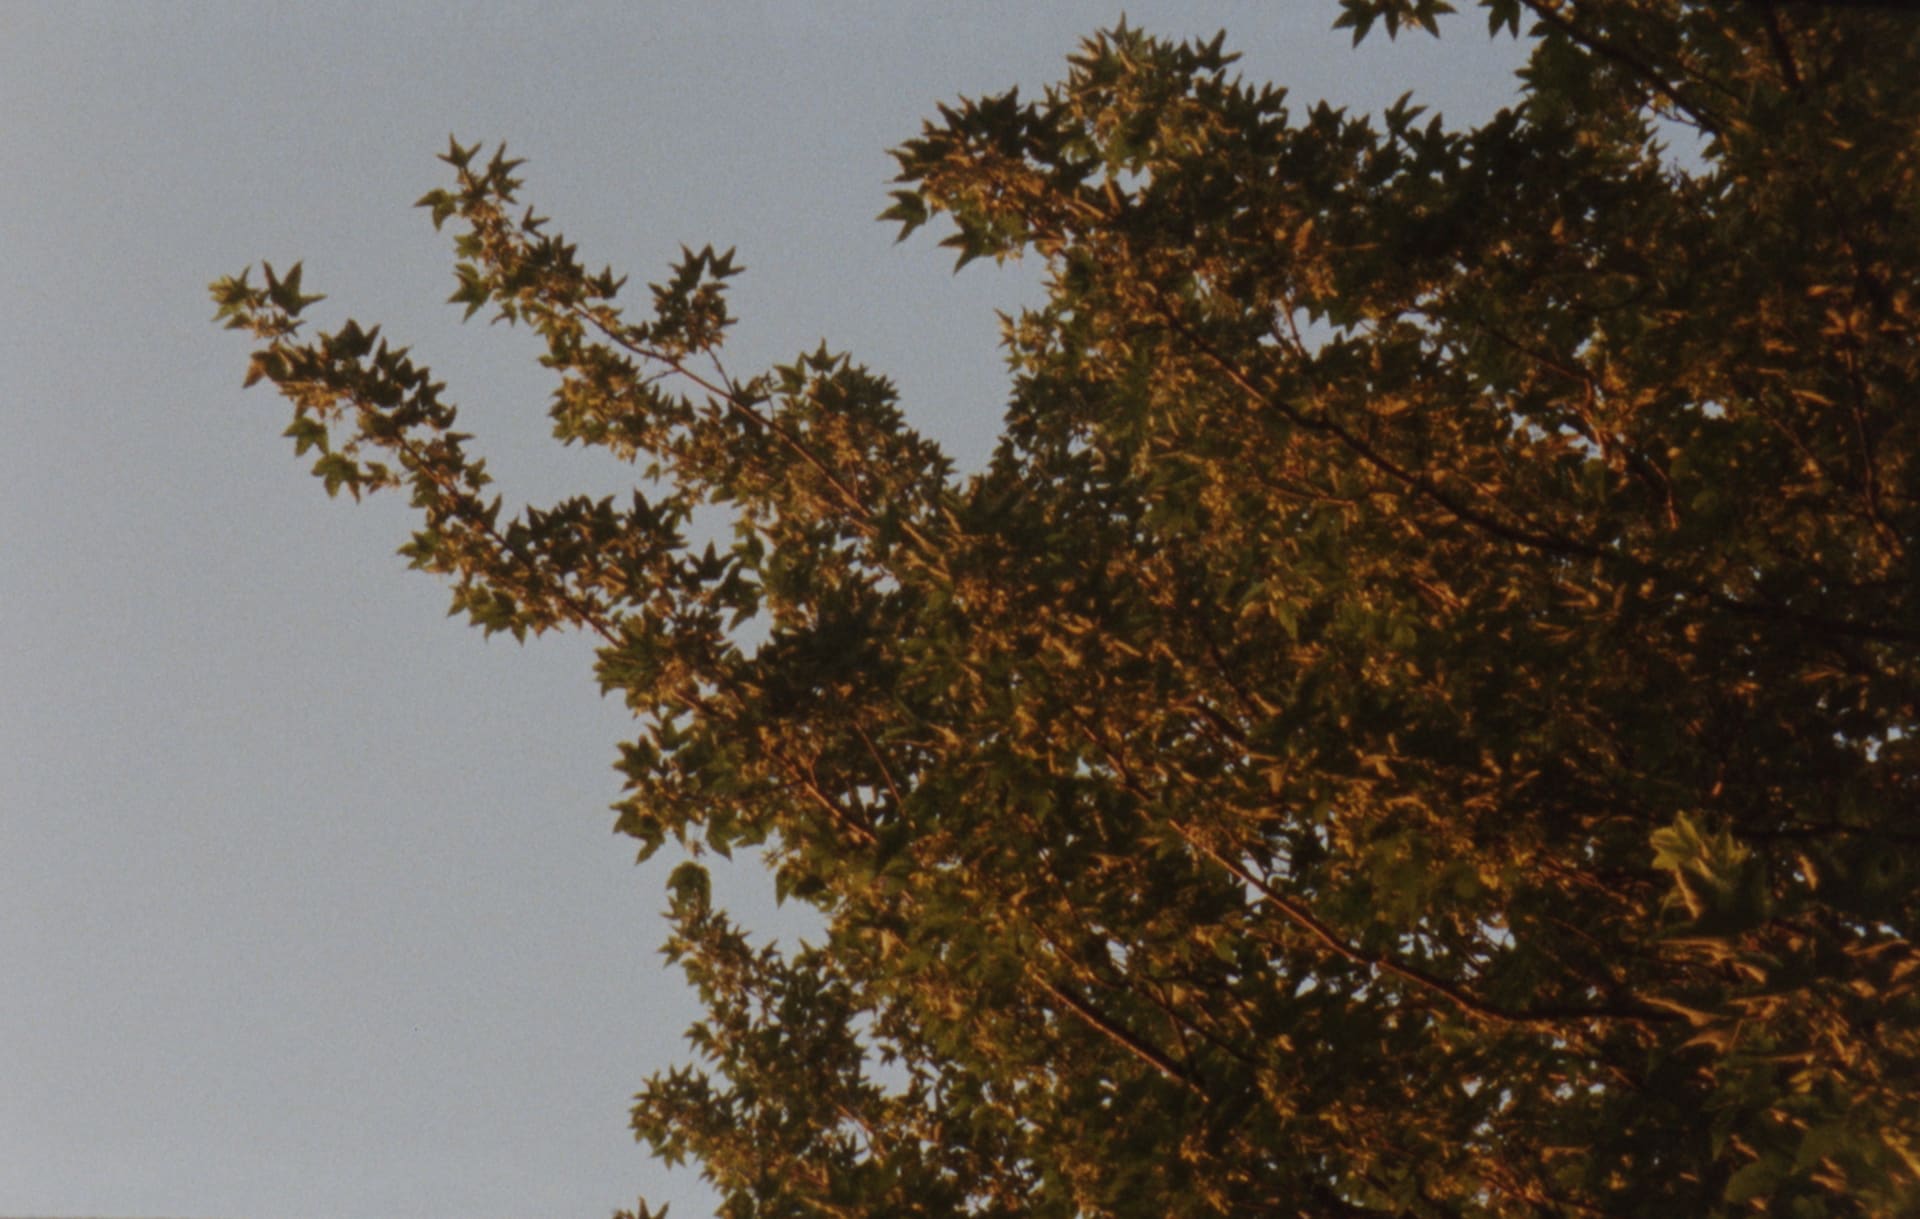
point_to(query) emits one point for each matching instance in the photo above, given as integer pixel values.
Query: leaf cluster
(1418, 717)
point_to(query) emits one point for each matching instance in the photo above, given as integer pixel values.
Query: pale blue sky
(308, 904)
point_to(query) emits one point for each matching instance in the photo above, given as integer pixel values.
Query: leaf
(690, 886)
(1755, 1180)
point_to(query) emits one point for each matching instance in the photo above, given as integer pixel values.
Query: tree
(1418, 716)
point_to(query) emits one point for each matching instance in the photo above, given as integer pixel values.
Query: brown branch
(1110, 1029)
(886, 772)
(1526, 534)
(803, 777)
(1523, 535)
(729, 394)
(1552, 1020)
(1782, 50)
(1869, 460)
(1549, 14)
(1140, 986)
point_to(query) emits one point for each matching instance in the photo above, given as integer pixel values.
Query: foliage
(1418, 716)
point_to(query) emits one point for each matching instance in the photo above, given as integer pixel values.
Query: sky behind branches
(308, 905)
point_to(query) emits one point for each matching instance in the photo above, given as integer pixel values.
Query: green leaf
(1755, 1180)
(690, 886)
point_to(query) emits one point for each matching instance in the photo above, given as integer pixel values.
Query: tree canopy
(1417, 717)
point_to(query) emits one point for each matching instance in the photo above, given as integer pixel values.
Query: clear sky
(308, 903)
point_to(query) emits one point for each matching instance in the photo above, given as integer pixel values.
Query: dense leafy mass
(1418, 717)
